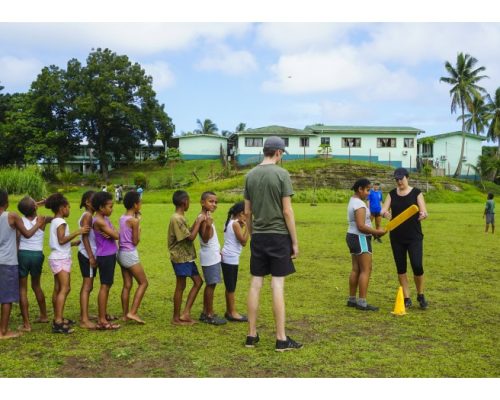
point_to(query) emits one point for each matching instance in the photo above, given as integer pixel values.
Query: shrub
(23, 181)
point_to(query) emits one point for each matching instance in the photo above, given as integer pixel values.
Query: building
(202, 146)
(443, 152)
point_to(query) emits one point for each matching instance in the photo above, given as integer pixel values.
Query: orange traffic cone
(399, 307)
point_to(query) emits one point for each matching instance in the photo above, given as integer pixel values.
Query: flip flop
(110, 317)
(107, 327)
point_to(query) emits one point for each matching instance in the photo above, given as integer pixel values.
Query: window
(351, 142)
(409, 142)
(386, 142)
(325, 140)
(427, 150)
(285, 139)
(304, 142)
(253, 142)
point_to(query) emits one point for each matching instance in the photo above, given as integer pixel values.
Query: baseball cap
(275, 143)
(400, 173)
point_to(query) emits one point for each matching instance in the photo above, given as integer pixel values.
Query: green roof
(362, 129)
(456, 133)
(275, 130)
(194, 135)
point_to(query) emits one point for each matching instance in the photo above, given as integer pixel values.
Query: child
(60, 258)
(30, 257)
(210, 258)
(182, 256)
(489, 213)
(9, 273)
(375, 206)
(235, 237)
(105, 236)
(358, 240)
(86, 259)
(128, 258)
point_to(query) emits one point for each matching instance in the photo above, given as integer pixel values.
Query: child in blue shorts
(182, 256)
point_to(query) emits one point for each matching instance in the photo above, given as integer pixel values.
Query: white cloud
(223, 59)
(325, 111)
(162, 75)
(17, 74)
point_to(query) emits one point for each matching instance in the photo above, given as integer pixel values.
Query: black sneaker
(288, 344)
(252, 341)
(368, 307)
(351, 303)
(214, 320)
(203, 317)
(421, 300)
(408, 302)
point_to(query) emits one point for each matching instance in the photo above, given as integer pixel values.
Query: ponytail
(233, 211)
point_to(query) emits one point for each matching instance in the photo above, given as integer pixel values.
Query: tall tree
(207, 127)
(494, 128)
(115, 103)
(240, 127)
(477, 120)
(463, 78)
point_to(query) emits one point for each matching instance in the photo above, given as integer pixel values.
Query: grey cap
(275, 143)
(400, 173)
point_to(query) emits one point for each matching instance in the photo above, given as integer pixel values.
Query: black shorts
(271, 254)
(358, 244)
(230, 274)
(85, 269)
(106, 265)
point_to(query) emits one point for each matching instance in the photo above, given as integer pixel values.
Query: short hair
(100, 199)
(179, 197)
(490, 196)
(85, 197)
(360, 183)
(131, 198)
(269, 152)
(55, 201)
(204, 195)
(4, 197)
(27, 206)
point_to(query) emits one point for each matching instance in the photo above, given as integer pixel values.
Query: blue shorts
(185, 269)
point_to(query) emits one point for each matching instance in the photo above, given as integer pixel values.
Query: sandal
(67, 321)
(110, 317)
(107, 327)
(61, 328)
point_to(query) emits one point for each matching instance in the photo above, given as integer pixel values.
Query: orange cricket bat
(395, 222)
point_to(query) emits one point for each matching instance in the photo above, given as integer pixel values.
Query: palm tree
(494, 130)
(477, 120)
(463, 78)
(240, 127)
(207, 127)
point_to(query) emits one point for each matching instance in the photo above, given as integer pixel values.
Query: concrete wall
(201, 147)
(450, 146)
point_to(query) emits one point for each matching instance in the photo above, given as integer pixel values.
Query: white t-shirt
(81, 247)
(59, 251)
(355, 204)
(232, 247)
(35, 242)
(210, 251)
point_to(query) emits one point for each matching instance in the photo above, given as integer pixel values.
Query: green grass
(455, 337)
(23, 181)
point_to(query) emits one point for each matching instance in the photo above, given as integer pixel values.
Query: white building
(202, 146)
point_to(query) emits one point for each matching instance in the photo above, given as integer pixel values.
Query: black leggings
(414, 250)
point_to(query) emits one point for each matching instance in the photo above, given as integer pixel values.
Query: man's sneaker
(351, 303)
(214, 320)
(421, 300)
(368, 307)
(378, 239)
(252, 341)
(288, 344)
(408, 302)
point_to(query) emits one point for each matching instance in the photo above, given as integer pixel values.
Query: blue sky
(284, 73)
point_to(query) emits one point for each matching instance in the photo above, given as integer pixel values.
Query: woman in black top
(407, 238)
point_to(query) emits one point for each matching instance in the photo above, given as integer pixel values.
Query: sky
(284, 73)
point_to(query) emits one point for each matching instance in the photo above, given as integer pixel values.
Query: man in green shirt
(271, 222)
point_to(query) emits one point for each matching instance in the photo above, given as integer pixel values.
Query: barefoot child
(210, 259)
(489, 213)
(235, 237)
(86, 259)
(30, 257)
(105, 236)
(128, 257)
(60, 258)
(182, 256)
(9, 271)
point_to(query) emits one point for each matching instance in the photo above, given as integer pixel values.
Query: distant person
(210, 258)
(9, 270)
(375, 205)
(271, 222)
(235, 238)
(104, 188)
(489, 213)
(358, 240)
(407, 238)
(117, 193)
(140, 190)
(182, 256)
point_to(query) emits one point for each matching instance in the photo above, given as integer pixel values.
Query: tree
(240, 127)
(164, 126)
(463, 78)
(207, 127)
(115, 105)
(476, 121)
(493, 132)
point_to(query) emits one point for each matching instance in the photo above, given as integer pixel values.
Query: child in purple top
(105, 236)
(128, 257)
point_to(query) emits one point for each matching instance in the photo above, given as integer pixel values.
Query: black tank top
(411, 229)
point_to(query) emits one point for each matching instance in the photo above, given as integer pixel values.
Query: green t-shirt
(490, 207)
(181, 249)
(265, 186)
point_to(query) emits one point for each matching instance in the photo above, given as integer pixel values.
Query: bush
(49, 173)
(141, 179)
(23, 181)
(69, 177)
(92, 179)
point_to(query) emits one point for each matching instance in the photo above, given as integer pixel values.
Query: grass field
(455, 337)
